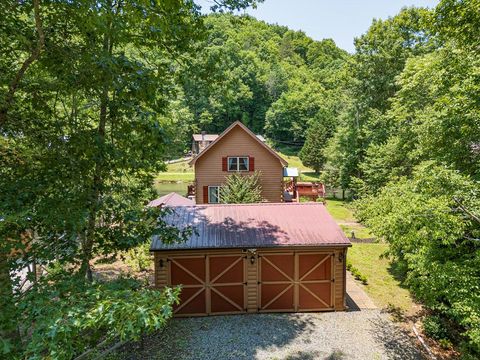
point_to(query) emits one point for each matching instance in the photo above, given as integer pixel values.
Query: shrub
(356, 273)
(139, 258)
(434, 328)
(241, 189)
(64, 316)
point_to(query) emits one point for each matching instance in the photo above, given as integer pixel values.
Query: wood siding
(251, 270)
(208, 168)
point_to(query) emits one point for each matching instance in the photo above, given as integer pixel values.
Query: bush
(64, 316)
(356, 273)
(241, 189)
(139, 258)
(434, 328)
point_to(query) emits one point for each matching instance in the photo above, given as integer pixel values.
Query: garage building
(247, 258)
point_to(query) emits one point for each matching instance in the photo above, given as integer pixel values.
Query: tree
(241, 189)
(432, 224)
(84, 119)
(312, 153)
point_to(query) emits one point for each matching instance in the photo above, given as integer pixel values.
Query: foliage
(241, 189)
(312, 153)
(87, 114)
(431, 222)
(139, 258)
(273, 79)
(62, 317)
(434, 327)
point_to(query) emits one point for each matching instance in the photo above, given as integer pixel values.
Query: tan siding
(208, 168)
(339, 281)
(161, 273)
(252, 284)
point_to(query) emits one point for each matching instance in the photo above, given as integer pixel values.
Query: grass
(290, 154)
(180, 171)
(340, 210)
(384, 289)
(360, 231)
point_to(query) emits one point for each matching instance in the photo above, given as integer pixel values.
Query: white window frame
(218, 194)
(238, 163)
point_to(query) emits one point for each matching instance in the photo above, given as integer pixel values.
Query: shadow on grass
(399, 273)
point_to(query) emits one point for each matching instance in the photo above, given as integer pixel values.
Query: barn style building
(248, 258)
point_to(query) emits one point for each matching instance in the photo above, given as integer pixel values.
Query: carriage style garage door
(295, 281)
(285, 281)
(211, 284)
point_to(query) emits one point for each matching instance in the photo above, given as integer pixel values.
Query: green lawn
(384, 289)
(360, 231)
(180, 171)
(340, 210)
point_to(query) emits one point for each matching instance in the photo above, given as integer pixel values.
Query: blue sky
(340, 20)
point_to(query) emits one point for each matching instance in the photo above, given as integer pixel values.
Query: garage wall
(251, 271)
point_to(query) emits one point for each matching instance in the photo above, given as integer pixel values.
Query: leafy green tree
(241, 189)
(85, 122)
(432, 224)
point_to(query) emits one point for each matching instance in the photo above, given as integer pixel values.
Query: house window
(213, 194)
(238, 163)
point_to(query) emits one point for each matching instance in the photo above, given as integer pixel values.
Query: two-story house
(237, 149)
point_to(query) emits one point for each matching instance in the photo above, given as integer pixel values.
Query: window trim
(218, 194)
(238, 163)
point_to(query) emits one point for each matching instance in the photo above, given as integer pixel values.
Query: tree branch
(35, 54)
(466, 211)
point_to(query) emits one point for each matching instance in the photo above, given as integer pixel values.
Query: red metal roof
(254, 225)
(172, 199)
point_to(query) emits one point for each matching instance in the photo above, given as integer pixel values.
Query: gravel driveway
(366, 334)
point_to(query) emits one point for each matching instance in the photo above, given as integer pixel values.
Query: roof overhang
(249, 132)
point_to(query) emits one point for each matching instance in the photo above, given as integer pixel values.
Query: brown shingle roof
(254, 225)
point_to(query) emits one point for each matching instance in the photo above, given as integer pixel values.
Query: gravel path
(367, 334)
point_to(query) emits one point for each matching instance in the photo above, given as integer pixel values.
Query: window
(213, 194)
(238, 163)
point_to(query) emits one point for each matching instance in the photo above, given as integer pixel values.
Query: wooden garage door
(276, 281)
(211, 284)
(315, 281)
(295, 282)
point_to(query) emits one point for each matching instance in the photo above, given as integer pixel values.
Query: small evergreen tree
(312, 153)
(241, 189)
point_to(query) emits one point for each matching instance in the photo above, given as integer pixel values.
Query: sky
(340, 20)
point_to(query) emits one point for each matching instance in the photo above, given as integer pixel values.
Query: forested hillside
(277, 81)
(96, 95)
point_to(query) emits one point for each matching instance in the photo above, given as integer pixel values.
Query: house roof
(212, 137)
(249, 132)
(172, 199)
(254, 225)
(206, 137)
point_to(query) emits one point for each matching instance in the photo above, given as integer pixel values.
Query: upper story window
(238, 163)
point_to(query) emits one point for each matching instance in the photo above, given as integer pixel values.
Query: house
(249, 258)
(237, 150)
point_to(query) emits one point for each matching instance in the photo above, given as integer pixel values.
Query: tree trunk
(8, 320)
(34, 55)
(97, 183)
